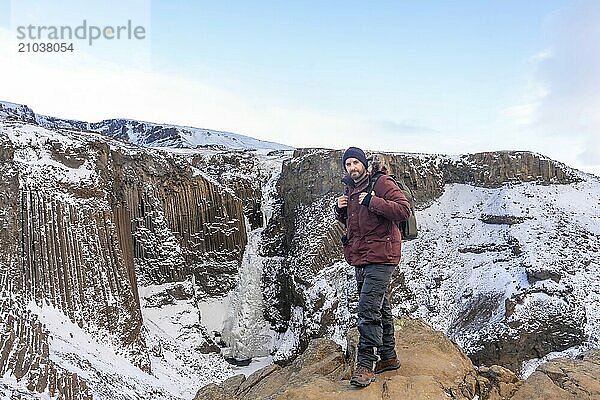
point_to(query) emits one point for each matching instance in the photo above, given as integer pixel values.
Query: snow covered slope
(145, 133)
(516, 265)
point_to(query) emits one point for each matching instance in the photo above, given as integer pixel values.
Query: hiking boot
(362, 377)
(387, 365)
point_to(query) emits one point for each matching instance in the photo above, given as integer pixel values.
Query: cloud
(562, 99)
(404, 128)
(591, 155)
(86, 87)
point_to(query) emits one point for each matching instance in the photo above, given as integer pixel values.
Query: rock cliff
(86, 222)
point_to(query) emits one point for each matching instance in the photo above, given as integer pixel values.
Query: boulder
(214, 392)
(563, 379)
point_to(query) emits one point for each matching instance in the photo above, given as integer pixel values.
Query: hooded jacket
(372, 233)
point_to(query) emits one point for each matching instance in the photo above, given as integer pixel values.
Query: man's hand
(342, 201)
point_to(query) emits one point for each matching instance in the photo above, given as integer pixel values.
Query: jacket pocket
(383, 249)
(377, 249)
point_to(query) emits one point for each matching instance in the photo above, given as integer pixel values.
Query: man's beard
(358, 178)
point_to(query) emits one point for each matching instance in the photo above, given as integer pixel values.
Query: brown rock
(256, 377)
(433, 367)
(564, 379)
(395, 387)
(592, 356)
(214, 392)
(425, 352)
(581, 378)
(539, 387)
(496, 382)
(323, 358)
(233, 384)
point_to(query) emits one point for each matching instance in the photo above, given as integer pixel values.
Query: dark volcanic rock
(493, 169)
(502, 219)
(79, 232)
(550, 324)
(170, 208)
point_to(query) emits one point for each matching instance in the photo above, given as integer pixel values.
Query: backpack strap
(372, 181)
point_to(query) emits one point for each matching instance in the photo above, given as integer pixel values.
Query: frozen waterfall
(245, 330)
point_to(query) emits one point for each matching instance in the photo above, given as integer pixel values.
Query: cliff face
(24, 355)
(312, 175)
(180, 222)
(24, 340)
(85, 222)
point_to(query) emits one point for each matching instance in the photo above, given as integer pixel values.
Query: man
(372, 245)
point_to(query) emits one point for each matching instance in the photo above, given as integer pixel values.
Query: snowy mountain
(144, 133)
(130, 271)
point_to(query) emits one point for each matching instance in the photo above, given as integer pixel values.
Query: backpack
(408, 228)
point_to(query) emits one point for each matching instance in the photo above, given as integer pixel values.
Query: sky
(446, 77)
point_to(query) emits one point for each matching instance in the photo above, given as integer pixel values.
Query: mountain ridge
(144, 133)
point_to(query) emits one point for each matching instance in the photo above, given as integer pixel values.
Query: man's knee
(369, 311)
(371, 302)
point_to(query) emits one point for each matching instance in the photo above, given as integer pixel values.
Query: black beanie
(354, 152)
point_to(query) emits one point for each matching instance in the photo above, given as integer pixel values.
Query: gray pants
(375, 320)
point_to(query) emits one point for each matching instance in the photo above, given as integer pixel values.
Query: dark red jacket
(372, 235)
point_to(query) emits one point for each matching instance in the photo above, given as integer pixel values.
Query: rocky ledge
(433, 367)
